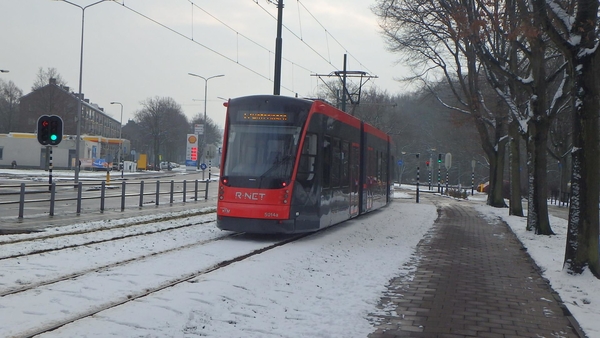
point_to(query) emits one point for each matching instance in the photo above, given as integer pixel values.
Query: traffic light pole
(49, 154)
(439, 172)
(447, 181)
(417, 177)
(429, 176)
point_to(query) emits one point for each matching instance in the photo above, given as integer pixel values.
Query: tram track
(80, 273)
(104, 232)
(150, 290)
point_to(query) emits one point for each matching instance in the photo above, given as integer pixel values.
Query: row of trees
(160, 128)
(538, 58)
(9, 105)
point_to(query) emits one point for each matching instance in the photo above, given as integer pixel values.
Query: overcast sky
(137, 49)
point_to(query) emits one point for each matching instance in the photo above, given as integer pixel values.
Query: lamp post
(120, 139)
(79, 104)
(205, 93)
(4, 71)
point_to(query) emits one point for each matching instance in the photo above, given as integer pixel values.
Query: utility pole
(344, 88)
(278, 48)
(343, 75)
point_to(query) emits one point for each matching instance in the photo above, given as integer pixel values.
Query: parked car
(168, 165)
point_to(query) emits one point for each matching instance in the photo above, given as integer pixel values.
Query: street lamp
(4, 71)
(121, 154)
(205, 93)
(79, 104)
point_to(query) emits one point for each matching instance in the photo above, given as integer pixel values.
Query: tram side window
(379, 156)
(384, 167)
(354, 166)
(345, 164)
(306, 169)
(336, 163)
(370, 163)
(327, 162)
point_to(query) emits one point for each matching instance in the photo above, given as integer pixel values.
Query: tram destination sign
(262, 116)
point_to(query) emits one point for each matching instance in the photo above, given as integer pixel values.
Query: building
(97, 152)
(53, 99)
(100, 133)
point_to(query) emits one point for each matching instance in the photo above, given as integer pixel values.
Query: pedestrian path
(472, 278)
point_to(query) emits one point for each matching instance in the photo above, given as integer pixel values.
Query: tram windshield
(261, 155)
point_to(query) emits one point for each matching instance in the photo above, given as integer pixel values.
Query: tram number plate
(271, 214)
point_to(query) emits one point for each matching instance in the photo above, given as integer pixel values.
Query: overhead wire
(242, 35)
(296, 35)
(200, 44)
(333, 37)
(299, 37)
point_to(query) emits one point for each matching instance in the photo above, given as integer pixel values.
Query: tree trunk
(496, 184)
(539, 196)
(515, 203)
(582, 234)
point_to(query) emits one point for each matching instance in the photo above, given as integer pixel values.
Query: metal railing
(55, 191)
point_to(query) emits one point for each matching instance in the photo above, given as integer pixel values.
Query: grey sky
(129, 58)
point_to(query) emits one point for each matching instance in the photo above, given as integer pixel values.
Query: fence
(53, 189)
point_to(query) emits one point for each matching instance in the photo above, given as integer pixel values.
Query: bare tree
(43, 78)
(9, 105)
(434, 38)
(574, 28)
(521, 59)
(160, 122)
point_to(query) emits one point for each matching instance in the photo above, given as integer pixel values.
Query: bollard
(22, 201)
(171, 197)
(102, 195)
(123, 196)
(157, 191)
(107, 177)
(79, 186)
(141, 193)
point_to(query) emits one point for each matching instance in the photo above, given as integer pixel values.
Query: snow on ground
(324, 285)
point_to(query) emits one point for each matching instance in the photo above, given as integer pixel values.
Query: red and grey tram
(293, 165)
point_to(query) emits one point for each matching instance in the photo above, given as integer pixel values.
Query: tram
(293, 165)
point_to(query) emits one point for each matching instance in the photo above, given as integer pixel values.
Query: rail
(22, 190)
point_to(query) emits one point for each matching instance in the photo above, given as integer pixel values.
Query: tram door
(354, 178)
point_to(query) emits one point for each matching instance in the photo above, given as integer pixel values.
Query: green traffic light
(53, 137)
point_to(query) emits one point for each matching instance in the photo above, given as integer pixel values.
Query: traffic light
(439, 158)
(427, 163)
(49, 130)
(194, 153)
